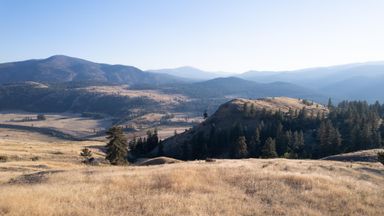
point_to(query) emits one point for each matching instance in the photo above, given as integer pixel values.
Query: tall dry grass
(58, 184)
(228, 187)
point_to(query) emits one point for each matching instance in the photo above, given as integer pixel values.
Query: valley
(222, 146)
(191, 108)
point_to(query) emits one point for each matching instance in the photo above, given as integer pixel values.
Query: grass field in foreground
(58, 184)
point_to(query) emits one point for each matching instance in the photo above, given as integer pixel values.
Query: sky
(215, 35)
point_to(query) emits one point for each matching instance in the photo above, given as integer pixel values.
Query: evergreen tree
(298, 144)
(117, 147)
(41, 117)
(205, 114)
(239, 149)
(254, 144)
(329, 139)
(212, 141)
(160, 149)
(152, 141)
(269, 149)
(186, 155)
(330, 105)
(200, 149)
(281, 142)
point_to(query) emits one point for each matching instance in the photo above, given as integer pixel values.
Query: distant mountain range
(361, 81)
(61, 68)
(189, 73)
(235, 87)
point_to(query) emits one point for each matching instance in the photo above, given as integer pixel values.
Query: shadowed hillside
(241, 117)
(280, 127)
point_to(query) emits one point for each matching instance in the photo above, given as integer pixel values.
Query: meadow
(45, 176)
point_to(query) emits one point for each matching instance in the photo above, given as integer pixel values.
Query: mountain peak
(62, 68)
(64, 58)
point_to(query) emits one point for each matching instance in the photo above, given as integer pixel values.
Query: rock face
(235, 111)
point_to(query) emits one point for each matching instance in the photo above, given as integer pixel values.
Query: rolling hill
(233, 87)
(42, 174)
(359, 156)
(247, 113)
(189, 73)
(60, 68)
(358, 81)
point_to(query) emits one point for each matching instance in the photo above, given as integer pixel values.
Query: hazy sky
(217, 35)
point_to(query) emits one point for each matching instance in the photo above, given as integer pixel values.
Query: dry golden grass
(150, 94)
(68, 123)
(281, 103)
(224, 187)
(29, 152)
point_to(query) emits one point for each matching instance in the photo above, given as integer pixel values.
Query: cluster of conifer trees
(119, 150)
(141, 146)
(350, 126)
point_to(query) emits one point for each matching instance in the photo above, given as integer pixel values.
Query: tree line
(349, 126)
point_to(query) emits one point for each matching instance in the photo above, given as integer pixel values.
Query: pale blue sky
(217, 35)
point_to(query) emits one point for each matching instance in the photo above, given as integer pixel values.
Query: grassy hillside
(244, 187)
(362, 156)
(111, 100)
(56, 183)
(216, 131)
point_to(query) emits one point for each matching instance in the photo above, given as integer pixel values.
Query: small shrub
(380, 157)
(3, 158)
(307, 102)
(35, 158)
(86, 153)
(41, 117)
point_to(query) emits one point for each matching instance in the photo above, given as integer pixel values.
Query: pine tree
(205, 114)
(281, 144)
(269, 149)
(236, 131)
(251, 147)
(186, 155)
(240, 148)
(199, 145)
(160, 147)
(212, 141)
(330, 105)
(298, 144)
(152, 141)
(329, 139)
(117, 147)
(253, 110)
